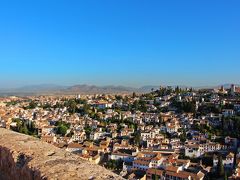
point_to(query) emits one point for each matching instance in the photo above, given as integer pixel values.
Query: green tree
(220, 167)
(183, 136)
(62, 127)
(137, 138)
(62, 130)
(134, 95)
(32, 105)
(88, 131)
(72, 107)
(225, 177)
(23, 129)
(118, 97)
(177, 90)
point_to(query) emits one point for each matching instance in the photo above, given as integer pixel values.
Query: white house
(147, 135)
(142, 164)
(228, 160)
(47, 130)
(124, 155)
(192, 150)
(228, 112)
(74, 147)
(196, 150)
(79, 136)
(172, 128)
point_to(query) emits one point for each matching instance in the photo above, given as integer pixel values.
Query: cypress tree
(220, 167)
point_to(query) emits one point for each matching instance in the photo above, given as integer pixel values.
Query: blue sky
(127, 42)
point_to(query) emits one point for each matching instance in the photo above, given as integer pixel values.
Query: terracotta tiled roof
(140, 162)
(181, 174)
(155, 171)
(74, 145)
(172, 168)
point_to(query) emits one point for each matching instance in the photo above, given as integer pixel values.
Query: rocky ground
(25, 157)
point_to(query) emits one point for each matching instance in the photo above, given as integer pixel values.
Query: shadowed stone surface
(25, 157)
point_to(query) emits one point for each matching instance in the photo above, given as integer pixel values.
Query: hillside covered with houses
(168, 133)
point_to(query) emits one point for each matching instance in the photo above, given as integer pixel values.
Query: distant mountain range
(46, 89)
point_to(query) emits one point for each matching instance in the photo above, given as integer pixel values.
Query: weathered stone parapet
(26, 158)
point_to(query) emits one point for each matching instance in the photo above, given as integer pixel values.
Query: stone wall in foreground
(26, 158)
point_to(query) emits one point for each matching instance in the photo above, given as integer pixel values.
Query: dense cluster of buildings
(166, 134)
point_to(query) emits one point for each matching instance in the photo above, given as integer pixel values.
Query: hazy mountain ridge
(76, 89)
(87, 89)
(99, 89)
(42, 87)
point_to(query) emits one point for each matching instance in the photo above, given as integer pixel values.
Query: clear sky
(119, 42)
